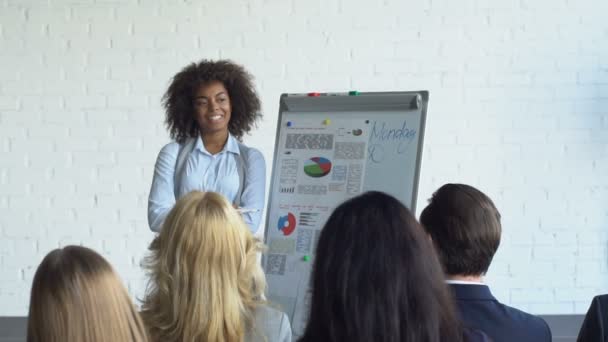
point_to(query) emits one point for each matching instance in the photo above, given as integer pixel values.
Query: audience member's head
(76, 296)
(376, 278)
(465, 227)
(205, 276)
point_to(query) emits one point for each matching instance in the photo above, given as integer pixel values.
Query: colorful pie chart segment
(317, 167)
(287, 224)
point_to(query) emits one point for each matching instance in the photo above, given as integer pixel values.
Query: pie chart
(317, 167)
(287, 224)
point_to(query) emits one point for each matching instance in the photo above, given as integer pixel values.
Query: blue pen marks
(384, 137)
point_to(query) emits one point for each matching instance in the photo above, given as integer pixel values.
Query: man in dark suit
(465, 227)
(595, 325)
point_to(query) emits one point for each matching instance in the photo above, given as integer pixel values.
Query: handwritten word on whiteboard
(392, 153)
(383, 136)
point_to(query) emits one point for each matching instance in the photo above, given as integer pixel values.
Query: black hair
(179, 98)
(376, 278)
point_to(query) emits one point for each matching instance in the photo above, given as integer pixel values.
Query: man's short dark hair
(465, 227)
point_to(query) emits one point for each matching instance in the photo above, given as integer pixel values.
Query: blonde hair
(77, 296)
(205, 278)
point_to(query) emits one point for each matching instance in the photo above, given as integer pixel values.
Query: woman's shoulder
(171, 147)
(271, 323)
(250, 153)
(266, 312)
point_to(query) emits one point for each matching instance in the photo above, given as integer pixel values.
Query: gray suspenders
(184, 152)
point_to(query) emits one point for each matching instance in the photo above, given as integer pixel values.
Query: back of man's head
(465, 227)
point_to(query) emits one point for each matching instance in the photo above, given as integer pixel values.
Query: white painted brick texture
(518, 108)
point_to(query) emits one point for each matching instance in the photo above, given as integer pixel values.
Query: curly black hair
(179, 98)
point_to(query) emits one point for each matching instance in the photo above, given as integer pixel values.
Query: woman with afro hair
(209, 106)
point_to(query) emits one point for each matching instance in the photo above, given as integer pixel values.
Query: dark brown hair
(377, 278)
(179, 98)
(465, 227)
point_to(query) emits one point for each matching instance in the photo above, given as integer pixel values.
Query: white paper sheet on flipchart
(348, 152)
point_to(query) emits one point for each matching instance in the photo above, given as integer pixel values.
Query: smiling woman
(209, 106)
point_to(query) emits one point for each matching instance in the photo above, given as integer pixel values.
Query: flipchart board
(331, 147)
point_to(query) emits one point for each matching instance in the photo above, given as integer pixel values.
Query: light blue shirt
(204, 171)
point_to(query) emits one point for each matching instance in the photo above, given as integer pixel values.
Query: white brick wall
(519, 108)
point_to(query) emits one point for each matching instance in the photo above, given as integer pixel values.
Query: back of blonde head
(205, 279)
(76, 296)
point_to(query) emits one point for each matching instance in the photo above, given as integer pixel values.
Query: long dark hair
(376, 278)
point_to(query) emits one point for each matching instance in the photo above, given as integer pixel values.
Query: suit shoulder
(474, 335)
(602, 300)
(529, 320)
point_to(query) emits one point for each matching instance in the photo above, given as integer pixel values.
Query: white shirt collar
(232, 145)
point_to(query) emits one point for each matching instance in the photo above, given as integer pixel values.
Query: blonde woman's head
(77, 296)
(205, 278)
